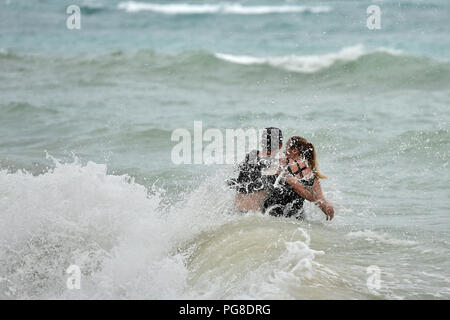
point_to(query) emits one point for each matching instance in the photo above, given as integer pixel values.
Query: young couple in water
(278, 184)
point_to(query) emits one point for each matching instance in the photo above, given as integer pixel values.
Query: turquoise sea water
(86, 175)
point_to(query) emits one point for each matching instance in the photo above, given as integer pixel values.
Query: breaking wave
(127, 247)
(224, 8)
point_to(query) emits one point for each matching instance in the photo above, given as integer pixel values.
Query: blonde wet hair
(307, 150)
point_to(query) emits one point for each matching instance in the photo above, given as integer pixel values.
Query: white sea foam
(126, 247)
(307, 63)
(106, 224)
(224, 8)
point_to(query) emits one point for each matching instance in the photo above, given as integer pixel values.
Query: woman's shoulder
(302, 170)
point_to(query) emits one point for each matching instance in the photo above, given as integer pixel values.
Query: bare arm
(325, 205)
(308, 194)
(314, 195)
(298, 187)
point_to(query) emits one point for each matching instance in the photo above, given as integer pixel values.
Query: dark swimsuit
(282, 200)
(249, 179)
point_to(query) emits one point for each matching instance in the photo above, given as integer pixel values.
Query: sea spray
(110, 226)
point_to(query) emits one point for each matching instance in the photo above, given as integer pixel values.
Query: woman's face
(291, 152)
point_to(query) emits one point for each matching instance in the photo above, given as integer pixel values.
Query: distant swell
(305, 64)
(225, 8)
(380, 67)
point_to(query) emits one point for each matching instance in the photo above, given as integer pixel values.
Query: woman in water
(299, 180)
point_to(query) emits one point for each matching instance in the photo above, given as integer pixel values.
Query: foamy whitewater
(87, 179)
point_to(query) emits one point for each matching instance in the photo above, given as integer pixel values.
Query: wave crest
(225, 8)
(304, 64)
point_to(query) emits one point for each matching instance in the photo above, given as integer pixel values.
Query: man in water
(251, 183)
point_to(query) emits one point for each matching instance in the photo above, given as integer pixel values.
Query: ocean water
(87, 179)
